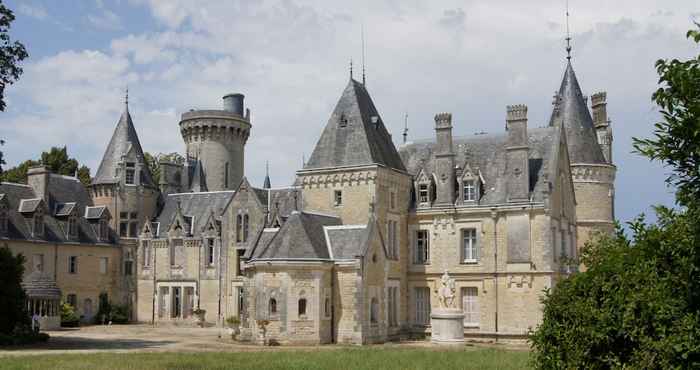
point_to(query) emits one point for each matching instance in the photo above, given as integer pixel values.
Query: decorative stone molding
(520, 281)
(338, 179)
(516, 112)
(445, 224)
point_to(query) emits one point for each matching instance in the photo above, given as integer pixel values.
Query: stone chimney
(517, 151)
(444, 160)
(602, 124)
(38, 179)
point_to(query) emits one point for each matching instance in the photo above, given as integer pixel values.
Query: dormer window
(130, 173)
(72, 227)
(423, 196)
(189, 220)
(38, 224)
(343, 120)
(469, 191)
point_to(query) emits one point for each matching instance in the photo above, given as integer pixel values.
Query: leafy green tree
(13, 314)
(638, 304)
(56, 160)
(11, 54)
(152, 161)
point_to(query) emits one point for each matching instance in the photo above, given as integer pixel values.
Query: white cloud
(105, 19)
(290, 58)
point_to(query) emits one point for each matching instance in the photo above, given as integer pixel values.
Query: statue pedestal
(447, 326)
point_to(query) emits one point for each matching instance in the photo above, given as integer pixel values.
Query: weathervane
(405, 128)
(568, 36)
(362, 36)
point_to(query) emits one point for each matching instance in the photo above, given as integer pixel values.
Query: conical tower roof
(266, 182)
(355, 135)
(570, 110)
(123, 140)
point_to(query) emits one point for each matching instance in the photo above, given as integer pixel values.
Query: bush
(69, 318)
(119, 314)
(637, 306)
(13, 307)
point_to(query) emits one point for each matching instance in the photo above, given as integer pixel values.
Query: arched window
(273, 306)
(374, 310)
(239, 228)
(245, 227)
(302, 307)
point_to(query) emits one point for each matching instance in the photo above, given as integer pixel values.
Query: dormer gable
(33, 211)
(425, 189)
(471, 184)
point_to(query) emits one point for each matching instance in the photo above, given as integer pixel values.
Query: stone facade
(352, 252)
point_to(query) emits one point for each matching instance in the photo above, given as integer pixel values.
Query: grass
(346, 358)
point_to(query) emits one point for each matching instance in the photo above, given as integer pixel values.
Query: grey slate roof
(360, 141)
(61, 190)
(123, 138)
(198, 205)
(283, 201)
(301, 237)
(41, 286)
(487, 153)
(347, 243)
(574, 114)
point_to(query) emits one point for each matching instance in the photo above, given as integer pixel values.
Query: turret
(602, 124)
(444, 160)
(217, 139)
(517, 153)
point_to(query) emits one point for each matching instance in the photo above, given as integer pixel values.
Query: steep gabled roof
(571, 110)
(196, 205)
(354, 135)
(123, 139)
(301, 237)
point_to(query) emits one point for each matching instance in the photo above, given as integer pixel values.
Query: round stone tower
(216, 139)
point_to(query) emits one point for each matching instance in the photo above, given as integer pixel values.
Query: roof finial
(351, 68)
(405, 128)
(126, 97)
(266, 182)
(362, 35)
(568, 36)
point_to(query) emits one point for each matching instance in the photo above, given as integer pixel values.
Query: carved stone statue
(446, 291)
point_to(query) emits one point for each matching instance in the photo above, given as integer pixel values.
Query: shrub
(13, 308)
(69, 318)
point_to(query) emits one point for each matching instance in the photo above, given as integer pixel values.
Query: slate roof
(283, 201)
(198, 205)
(346, 242)
(301, 237)
(574, 114)
(123, 138)
(486, 152)
(62, 190)
(350, 138)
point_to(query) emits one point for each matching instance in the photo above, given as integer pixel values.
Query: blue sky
(290, 58)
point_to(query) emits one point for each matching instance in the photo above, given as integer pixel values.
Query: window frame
(469, 190)
(73, 265)
(470, 254)
(421, 255)
(470, 307)
(337, 198)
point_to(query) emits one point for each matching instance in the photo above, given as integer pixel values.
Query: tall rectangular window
(392, 239)
(246, 227)
(422, 303)
(174, 246)
(421, 253)
(469, 191)
(146, 252)
(210, 251)
(130, 172)
(239, 228)
(338, 198)
(392, 200)
(470, 249)
(38, 262)
(241, 301)
(103, 265)
(128, 267)
(470, 306)
(423, 193)
(73, 264)
(393, 305)
(133, 229)
(226, 175)
(239, 255)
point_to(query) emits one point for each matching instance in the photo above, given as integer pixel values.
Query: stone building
(353, 250)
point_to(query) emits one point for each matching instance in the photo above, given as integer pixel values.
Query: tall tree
(11, 54)
(638, 304)
(56, 160)
(13, 312)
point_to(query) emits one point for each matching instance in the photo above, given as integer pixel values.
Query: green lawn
(350, 358)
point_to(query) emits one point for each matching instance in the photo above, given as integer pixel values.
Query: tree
(153, 162)
(11, 54)
(13, 312)
(638, 304)
(56, 160)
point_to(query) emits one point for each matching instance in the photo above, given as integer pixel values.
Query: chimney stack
(517, 154)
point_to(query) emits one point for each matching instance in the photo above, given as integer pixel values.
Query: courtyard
(143, 346)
